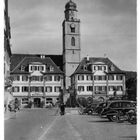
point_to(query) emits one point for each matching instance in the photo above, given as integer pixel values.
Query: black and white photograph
(70, 70)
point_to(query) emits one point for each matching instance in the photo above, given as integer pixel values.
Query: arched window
(73, 41)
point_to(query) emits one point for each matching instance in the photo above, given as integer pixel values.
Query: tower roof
(70, 5)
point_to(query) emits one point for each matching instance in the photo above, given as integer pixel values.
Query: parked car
(100, 107)
(117, 108)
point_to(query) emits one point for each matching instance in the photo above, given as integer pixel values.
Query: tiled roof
(20, 60)
(96, 60)
(17, 58)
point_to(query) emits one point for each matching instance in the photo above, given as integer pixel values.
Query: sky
(108, 28)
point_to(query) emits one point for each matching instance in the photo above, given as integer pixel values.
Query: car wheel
(113, 118)
(89, 112)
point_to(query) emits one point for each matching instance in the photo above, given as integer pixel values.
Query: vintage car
(117, 108)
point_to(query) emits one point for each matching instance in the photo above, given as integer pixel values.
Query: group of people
(14, 105)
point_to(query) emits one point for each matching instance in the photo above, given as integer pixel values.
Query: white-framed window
(89, 88)
(111, 77)
(36, 89)
(56, 78)
(119, 77)
(81, 88)
(15, 89)
(99, 67)
(25, 101)
(89, 77)
(111, 88)
(16, 78)
(48, 89)
(48, 78)
(102, 77)
(24, 78)
(51, 68)
(41, 68)
(57, 89)
(80, 77)
(25, 89)
(37, 78)
(100, 88)
(119, 88)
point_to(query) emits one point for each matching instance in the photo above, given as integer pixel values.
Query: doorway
(37, 102)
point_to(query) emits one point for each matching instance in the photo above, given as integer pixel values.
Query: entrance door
(36, 102)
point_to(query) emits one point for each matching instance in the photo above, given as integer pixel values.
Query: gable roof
(96, 60)
(18, 58)
(26, 60)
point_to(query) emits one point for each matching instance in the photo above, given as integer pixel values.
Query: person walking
(62, 108)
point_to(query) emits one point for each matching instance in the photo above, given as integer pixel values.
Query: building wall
(37, 94)
(107, 85)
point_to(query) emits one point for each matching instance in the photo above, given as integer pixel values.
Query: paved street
(46, 124)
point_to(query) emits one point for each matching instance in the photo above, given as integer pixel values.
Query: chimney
(87, 58)
(42, 56)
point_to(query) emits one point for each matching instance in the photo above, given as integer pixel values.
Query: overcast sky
(107, 27)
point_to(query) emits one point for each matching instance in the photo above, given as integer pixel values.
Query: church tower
(71, 41)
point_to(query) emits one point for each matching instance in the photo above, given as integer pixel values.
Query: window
(41, 68)
(104, 68)
(89, 77)
(15, 89)
(16, 78)
(25, 100)
(119, 88)
(89, 88)
(41, 89)
(96, 77)
(40, 78)
(111, 77)
(99, 67)
(51, 68)
(119, 77)
(32, 89)
(73, 29)
(22, 68)
(73, 41)
(36, 78)
(103, 77)
(80, 77)
(48, 78)
(100, 88)
(57, 89)
(48, 89)
(24, 78)
(80, 88)
(112, 88)
(56, 78)
(25, 89)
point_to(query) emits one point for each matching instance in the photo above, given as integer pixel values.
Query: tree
(131, 86)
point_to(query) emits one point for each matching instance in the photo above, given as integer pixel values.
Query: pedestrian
(62, 108)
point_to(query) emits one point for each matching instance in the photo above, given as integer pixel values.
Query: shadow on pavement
(99, 121)
(128, 137)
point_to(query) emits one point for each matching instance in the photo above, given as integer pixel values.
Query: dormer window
(51, 68)
(112, 68)
(22, 68)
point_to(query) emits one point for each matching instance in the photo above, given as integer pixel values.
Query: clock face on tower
(72, 25)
